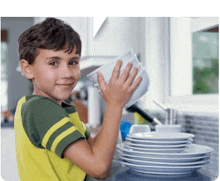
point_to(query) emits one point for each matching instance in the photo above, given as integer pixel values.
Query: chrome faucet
(171, 116)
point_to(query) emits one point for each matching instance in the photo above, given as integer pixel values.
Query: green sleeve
(47, 125)
(87, 132)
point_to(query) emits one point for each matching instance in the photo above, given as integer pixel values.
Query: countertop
(120, 172)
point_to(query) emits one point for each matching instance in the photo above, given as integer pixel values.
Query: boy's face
(55, 73)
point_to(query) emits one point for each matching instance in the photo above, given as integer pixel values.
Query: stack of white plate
(163, 153)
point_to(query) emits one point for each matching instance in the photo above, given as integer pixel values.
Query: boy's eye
(73, 63)
(53, 63)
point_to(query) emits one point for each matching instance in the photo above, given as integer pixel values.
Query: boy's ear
(26, 69)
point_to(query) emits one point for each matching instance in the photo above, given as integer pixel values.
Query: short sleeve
(87, 132)
(48, 126)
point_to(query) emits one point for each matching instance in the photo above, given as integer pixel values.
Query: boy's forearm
(105, 141)
(93, 139)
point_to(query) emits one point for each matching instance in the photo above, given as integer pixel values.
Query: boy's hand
(119, 89)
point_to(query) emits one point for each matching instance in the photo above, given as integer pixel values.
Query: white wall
(18, 85)
(117, 36)
(9, 170)
(155, 53)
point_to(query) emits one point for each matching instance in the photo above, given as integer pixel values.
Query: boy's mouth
(66, 84)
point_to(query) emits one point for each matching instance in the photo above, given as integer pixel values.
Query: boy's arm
(95, 159)
(91, 140)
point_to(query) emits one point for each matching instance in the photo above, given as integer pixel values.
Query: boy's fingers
(116, 70)
(126, 71)
(101, 80)
(136, 83)
(132, 76)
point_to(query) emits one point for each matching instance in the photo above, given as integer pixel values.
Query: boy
(51, 142)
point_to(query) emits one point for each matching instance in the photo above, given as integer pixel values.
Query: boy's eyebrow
(58, 58)
(55, 57)
(75, 58)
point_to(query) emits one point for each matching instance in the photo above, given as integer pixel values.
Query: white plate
(141, 145)
(156, 168)
(166, 160)
(192, 151)
(161, 136)
(161, 174)
(153, 142)
(154, 163)
(156, 142)
(159, 150)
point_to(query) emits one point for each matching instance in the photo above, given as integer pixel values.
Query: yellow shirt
(43, 129)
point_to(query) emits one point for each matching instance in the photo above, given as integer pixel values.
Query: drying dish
(158, 142)
(161, 136)
(107, 69)
(192, 151)
(167, 160)
(159, 150)
(157, 168)
(168, 146)
(162, 174)
(174, 128)
(162, 153)
(158, 163)
(148, 161)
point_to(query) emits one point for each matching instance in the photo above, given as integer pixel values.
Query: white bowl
(107, 69)
(168, 128)
(141, 89)
(140, 69)
(136, 128)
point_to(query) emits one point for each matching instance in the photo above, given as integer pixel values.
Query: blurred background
(181, 56)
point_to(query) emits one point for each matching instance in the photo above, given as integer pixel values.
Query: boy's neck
(58, 102)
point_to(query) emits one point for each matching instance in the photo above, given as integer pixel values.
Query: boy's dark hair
(51, 34)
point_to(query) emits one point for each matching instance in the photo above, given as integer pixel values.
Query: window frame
(196, 103)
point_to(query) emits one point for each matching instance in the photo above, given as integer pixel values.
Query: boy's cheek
(78, 74)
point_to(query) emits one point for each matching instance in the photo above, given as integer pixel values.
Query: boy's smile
(55, 73)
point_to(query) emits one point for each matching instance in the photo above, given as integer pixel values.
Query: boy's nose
(66, 72)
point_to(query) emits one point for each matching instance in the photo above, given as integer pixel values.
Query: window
(194, 63)
(4, 81)
(206, 61)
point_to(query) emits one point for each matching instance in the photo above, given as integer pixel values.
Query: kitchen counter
(120, 172)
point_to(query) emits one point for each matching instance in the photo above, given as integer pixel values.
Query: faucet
(134, 108)
(171, 113)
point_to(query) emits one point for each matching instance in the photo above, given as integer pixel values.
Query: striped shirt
(43, 130)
